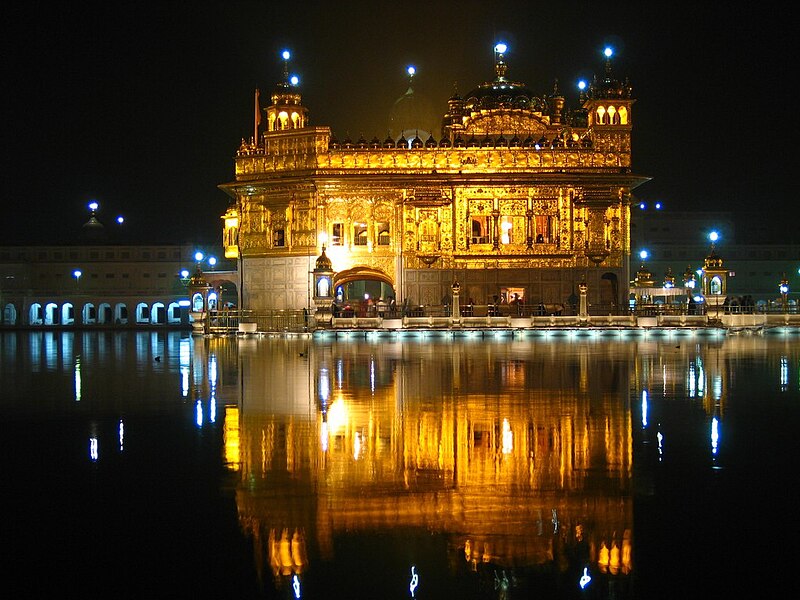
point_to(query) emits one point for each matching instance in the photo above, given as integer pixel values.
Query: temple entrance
(362, 292)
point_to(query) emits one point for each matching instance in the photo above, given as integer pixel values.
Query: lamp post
(689, 284)
(77, 275)
(784, 290)
(323, 288)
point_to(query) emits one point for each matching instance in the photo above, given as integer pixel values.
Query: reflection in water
(477, 443)
(391, 467)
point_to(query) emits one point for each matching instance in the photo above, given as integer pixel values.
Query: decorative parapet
(442, 160)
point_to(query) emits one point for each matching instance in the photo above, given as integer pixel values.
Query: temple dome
(93, 230)
(412, 116)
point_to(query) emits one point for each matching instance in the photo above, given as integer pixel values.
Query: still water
(161, 465)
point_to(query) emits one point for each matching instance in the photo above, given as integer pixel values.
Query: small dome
(197, 279)
(93, 230)
(412, 113)
(323, 262)
(713, 261)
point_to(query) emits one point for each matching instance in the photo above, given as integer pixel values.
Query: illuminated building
(519, 194)
(100, 282)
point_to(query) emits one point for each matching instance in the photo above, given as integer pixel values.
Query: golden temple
(519, 194)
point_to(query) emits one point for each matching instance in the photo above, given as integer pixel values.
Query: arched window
(480, 231)
(601, 115)
(360, 234)
(716, 286)
(613, 118)
(197, 303)
(283, 117)
(383, 234)
(337, 234)
(623, 115)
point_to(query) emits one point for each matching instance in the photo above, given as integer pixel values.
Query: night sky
(142, 109)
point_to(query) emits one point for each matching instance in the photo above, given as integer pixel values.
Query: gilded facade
(518, 193)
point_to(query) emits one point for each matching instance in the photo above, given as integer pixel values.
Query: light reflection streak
(508, 438)
(296, 586)
(212, 370)
(324, 387)
(185, 363)
(660, 438)
(714, 435)
(585, 578)
(716, 386)
(784, 373)
(94, 450)
(121, 430)
(78, 385)
(323, 436)
(199, 413)
(356, 445)
(414, 583)
(644, 408)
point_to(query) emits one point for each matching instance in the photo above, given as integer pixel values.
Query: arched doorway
(362, 288)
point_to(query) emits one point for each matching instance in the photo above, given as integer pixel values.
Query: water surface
(160, 465)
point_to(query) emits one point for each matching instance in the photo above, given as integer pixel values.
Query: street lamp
(784, 289)
(77, 275)
(689, 279)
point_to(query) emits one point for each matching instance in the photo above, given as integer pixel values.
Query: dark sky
(143, 107)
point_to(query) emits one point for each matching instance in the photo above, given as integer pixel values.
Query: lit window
(360, 234)
(479, 233)
(383, 234)
(506, 227)
(278, 238)
(337, 237)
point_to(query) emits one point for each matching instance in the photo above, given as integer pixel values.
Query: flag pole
(257, 119)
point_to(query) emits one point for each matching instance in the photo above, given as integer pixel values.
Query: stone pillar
(583, 306)
(455, 314)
